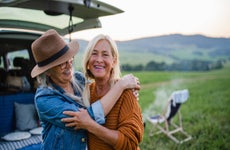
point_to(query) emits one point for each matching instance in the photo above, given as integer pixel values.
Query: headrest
(20, 62)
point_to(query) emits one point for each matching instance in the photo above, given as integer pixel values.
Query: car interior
(16, 63)
(21, 22)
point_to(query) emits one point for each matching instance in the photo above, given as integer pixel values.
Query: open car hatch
(65, 16)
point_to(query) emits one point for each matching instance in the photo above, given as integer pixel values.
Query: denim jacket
(50, 104)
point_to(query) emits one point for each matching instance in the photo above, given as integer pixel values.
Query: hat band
(54, 57)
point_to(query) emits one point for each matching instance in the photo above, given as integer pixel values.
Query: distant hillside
(171, 48)
(170, 42)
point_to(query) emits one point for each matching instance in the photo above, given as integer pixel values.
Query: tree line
(184, 65)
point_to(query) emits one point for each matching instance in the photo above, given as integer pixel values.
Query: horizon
(160, 36)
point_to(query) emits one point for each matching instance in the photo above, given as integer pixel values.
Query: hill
(172, 48)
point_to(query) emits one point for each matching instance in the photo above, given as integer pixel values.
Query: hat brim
(72, 51)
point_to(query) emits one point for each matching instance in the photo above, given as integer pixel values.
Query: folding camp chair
(164, 123)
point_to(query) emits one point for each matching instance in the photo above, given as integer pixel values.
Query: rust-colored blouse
(125, 117)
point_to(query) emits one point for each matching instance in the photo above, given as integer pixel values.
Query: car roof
(37, 14)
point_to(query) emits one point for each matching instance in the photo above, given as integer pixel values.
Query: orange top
(126, 118)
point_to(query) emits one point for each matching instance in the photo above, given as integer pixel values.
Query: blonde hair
(115, 72)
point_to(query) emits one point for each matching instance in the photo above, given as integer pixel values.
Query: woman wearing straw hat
(124, 126)
(61, 89)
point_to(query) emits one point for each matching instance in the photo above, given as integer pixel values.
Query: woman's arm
(126, 82)
(50, 105)
(82, 120)
(130, 125)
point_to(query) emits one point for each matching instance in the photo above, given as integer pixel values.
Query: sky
(145, 18)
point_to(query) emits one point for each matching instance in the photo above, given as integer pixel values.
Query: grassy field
(206, 115)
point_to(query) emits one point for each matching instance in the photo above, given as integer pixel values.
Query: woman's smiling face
(101, 61)
(61, 74)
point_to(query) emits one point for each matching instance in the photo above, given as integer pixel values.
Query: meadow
(206, 114)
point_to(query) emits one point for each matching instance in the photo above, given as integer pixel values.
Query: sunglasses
(68, 62)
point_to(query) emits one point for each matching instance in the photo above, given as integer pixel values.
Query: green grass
(205, 114)
(142, 58)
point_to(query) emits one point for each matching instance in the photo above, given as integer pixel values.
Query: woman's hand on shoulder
(129, 81)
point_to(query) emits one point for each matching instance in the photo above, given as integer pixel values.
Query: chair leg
(188, 137)
(181, 130)
(156, 129)
(173, 138)
(151, 131)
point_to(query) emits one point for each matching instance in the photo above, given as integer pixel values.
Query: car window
(1, 62)
(12, 55)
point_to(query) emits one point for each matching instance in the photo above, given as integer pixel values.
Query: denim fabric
(50, 104)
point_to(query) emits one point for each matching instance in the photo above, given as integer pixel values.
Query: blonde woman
(124, 127)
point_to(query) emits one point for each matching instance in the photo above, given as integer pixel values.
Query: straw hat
(51, 50)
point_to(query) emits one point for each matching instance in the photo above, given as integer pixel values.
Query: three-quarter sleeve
(96, 112)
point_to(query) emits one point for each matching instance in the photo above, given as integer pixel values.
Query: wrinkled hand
(130, 82)
(77, 120)
(136, 93)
